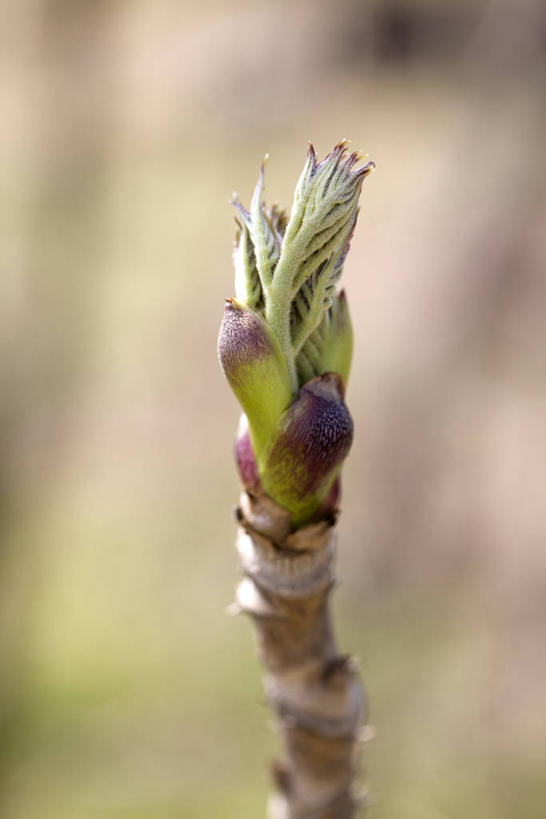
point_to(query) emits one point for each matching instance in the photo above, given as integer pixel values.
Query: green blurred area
(125, 689)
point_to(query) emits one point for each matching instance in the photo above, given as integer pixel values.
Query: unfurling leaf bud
(305, 454)
(286, 343)
(256, 370)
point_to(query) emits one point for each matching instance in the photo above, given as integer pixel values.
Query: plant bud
(304, 456)
(338, 346)
(256, 370)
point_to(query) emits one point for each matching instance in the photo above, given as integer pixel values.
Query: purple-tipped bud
(304, 456)
(255, 368)
(242, 341)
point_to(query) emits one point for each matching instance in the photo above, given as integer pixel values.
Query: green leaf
(313, 251)
(248, 287)
(266, 237)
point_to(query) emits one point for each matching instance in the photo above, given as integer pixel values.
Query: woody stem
(314, 692)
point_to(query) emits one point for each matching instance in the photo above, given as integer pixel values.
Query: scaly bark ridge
(314, 691)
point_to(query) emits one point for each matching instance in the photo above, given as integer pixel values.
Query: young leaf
(313, 251)
(248, 287)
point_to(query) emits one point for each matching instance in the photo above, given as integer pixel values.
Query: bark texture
(314, 691)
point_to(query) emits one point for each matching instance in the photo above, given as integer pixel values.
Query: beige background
(125, 690)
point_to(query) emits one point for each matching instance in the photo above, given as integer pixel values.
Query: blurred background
(125, 689)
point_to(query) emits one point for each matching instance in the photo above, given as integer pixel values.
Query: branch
(285, 346)
(313, 690)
